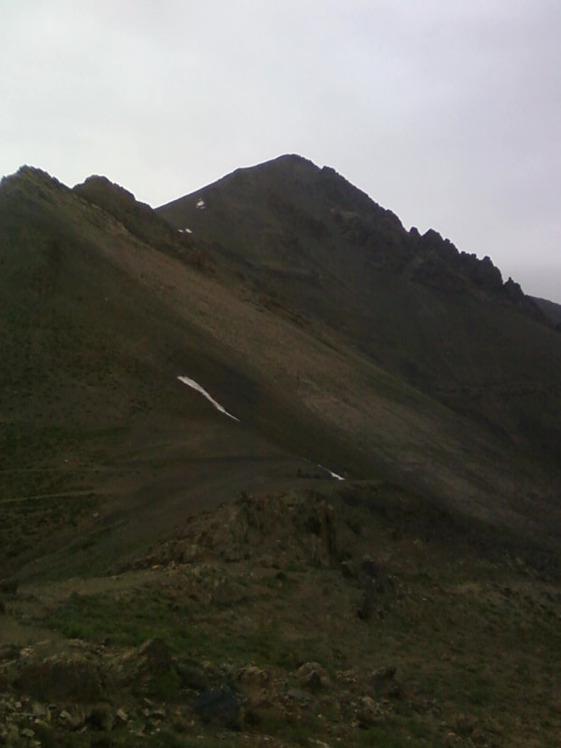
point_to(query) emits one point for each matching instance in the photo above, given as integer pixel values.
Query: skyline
(447, 115)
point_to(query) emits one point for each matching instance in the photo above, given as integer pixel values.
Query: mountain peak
(96, 185)
(293, 159)
(293, 216)
(33, 178)
(287, 165)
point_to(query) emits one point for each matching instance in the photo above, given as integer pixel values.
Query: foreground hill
(132, 507)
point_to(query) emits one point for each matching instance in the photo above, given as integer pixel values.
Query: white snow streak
(331, 473)
(194, 385)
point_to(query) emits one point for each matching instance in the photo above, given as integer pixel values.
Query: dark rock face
(437, 263)
(513, 291)
(378, 590)
(484, 273)
(297, 206)
(137, 217)
(106, 194)
(150, 670)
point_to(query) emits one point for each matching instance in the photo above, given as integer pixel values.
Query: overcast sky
(448, 112)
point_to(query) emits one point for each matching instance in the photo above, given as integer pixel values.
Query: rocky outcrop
(271, 530)
(436, 262)
(137, 217)
(62, 679)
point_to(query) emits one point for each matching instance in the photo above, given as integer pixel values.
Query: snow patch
(331, 473)
(195, 386)
(201, 205)
(336, 476)
(185, 231)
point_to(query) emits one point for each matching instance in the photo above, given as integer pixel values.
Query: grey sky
(446, 111)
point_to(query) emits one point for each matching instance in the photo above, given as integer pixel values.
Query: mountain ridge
(403, 386)
(170, 574)
(311, 242)
(354, 209)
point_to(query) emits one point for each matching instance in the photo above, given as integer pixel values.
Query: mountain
(310, 224)
(443, 321)
(314, 244)
(182, 391)
(306, 309)
(551, 310)
(97, 327)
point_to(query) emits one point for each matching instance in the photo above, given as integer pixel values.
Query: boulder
(369, 712)
(312, 675)
(62, 678)
(154, 658)
(252, 676)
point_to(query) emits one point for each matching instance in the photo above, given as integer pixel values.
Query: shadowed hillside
(94, 417)
(551, 310)
(318, 339)
(440, 319)
(182, 393)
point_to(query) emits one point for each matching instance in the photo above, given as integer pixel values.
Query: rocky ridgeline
(140, 220)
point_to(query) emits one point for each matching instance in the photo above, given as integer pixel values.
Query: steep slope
(551, 310)
(99, 321)
(441, 319)
(97, 430)
(416, 603)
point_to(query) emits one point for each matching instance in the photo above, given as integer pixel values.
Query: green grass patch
(398, 736)
(94, 617)
(186, 628)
